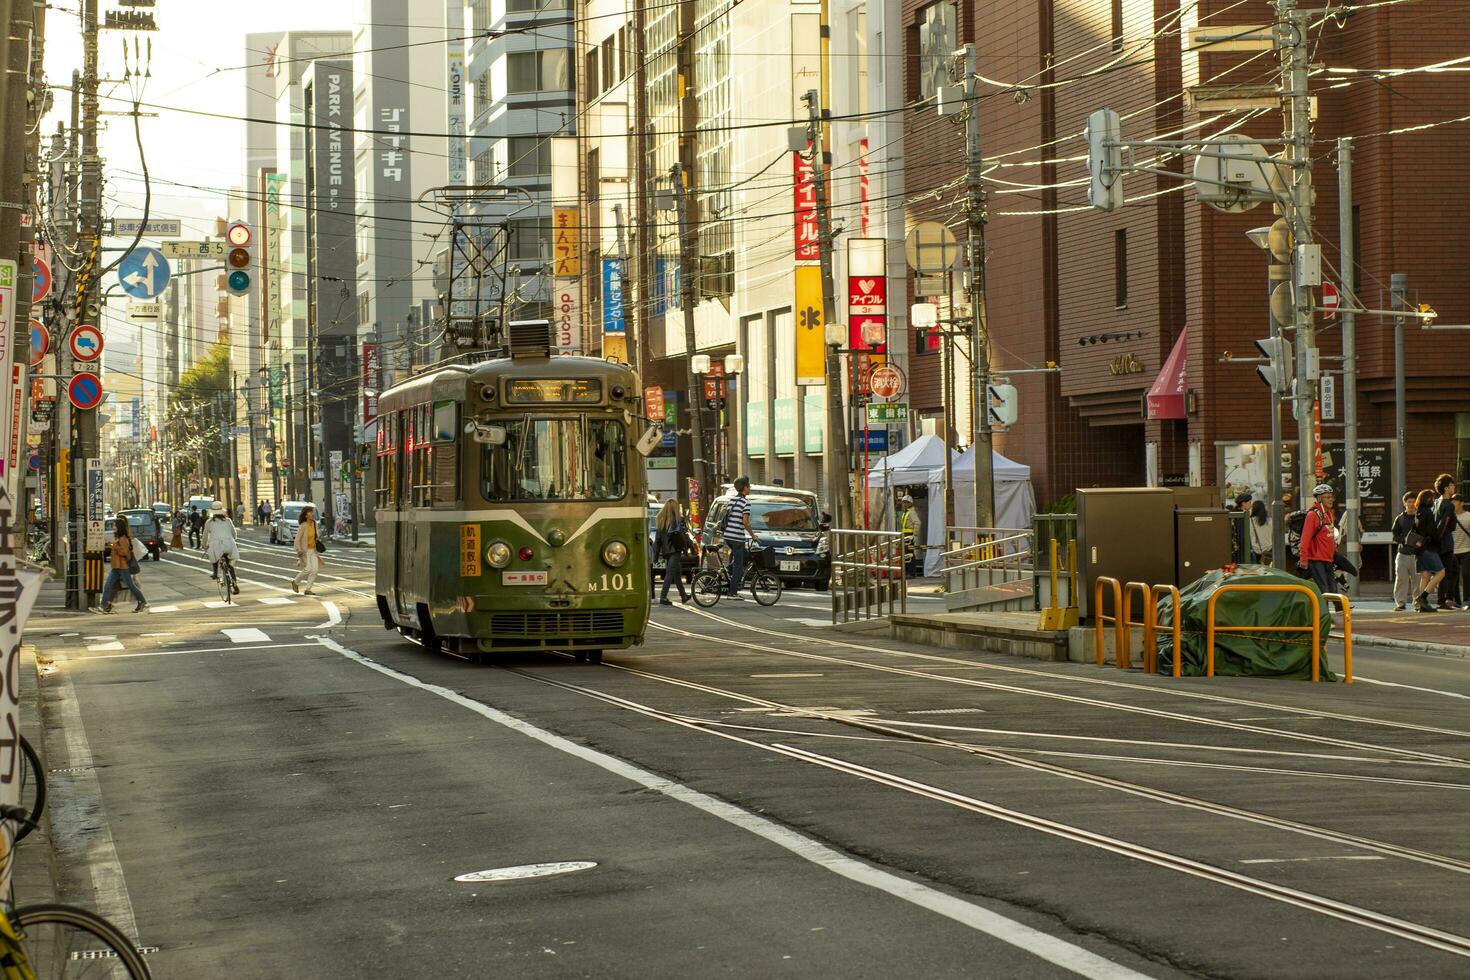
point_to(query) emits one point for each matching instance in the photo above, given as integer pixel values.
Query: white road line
(1411, 687)
(249, 635)
(787, 675)
(276, 600)
(156, 634)
(1330, 857)
(81, 833)
(163, 609)
(807, 622)
(175, 653)
(334, 615)
(110, 645)
(217, 604)
(1040, 944)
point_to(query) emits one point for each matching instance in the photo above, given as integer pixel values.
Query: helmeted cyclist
(219, 539)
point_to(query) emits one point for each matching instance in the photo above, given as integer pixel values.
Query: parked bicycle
(38, 545)
(764, 585)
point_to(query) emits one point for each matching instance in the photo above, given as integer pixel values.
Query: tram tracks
(1416, 932)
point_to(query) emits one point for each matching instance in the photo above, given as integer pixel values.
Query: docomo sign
(567, 320)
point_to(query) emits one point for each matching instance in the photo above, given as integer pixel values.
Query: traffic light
(1105, 160)
(238, 259)
(1003, 404)
(1277, 374)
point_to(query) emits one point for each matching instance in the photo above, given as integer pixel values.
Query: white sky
(195, 39)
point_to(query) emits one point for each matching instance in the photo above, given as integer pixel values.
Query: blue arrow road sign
(143, 273)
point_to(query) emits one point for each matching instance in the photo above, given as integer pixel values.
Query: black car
(789, 522)
(143, 524)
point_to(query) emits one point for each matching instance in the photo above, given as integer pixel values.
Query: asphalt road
(281, 784)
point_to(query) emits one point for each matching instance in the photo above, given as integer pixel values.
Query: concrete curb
(1392, 643)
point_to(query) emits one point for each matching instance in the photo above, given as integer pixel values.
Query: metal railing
(868, 569)
(1049, 529)
(1315, 629)
(987, 564)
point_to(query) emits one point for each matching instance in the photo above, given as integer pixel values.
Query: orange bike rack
(1151, 646)
(1315, 629)
(1347, 633)
(1118, 620)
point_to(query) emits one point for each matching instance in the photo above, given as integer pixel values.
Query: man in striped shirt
(738, 534)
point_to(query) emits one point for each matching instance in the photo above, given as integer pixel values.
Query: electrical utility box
(1202, 540)
(1126, 533)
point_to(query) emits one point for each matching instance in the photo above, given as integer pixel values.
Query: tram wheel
(592, 656)
(580, 656)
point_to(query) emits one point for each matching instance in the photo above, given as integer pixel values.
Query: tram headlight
(615, 553)
(498, 554)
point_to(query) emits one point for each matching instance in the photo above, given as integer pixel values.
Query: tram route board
(575, 391)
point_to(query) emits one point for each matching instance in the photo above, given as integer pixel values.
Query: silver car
(285, 520)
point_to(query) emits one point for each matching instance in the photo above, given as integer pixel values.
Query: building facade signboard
(566, 311)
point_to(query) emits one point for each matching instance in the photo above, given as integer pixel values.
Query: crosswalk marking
(275, 600)
(163, 609)
(217, 604)
(113, 645)
(247, 636)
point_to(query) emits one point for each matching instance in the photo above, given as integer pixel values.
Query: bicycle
(712, 583)
(32, 788)
(228, 583)
(38, 546)
(52, 940)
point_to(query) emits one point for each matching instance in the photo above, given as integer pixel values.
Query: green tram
(512, 507)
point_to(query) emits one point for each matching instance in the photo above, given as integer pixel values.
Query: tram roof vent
(529, 339)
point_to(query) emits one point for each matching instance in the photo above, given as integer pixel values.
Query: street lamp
(734, 365)
(1262, 238)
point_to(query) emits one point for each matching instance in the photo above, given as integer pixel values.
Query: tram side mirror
(649, 441)
(486, 435)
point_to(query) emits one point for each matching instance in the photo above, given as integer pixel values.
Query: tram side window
(563, 458)
(445, 473)
(387, 453)
(422, 457)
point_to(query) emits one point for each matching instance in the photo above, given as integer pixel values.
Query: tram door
(406, 425)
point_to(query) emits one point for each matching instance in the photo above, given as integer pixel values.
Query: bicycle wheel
(224, 582)
(65, 941)
(707, 588)
(766, 588)
(32, 787)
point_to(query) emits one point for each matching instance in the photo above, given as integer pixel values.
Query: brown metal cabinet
(1203, 539)
(1126, 533)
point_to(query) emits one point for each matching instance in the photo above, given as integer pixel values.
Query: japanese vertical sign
(867, 307)
(614, 314)
(566, 318)
(653, 403)
(7, 358)
(371, 384)
(864, 208)
(566, 250)
(805, 208)
(811, 327)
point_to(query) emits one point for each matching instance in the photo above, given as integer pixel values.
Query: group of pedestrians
(1431, 538)
(216, 535)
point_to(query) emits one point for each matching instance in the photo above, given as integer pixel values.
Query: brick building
(1107, 295)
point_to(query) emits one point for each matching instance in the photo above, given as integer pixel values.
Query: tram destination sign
(546, 391)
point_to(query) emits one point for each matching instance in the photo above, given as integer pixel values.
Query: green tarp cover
(1264, 654)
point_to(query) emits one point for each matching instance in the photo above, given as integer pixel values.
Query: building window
(530, 156)
(481, 168)
(1117, 25)
(482, 93)
(937, 37)
(1120, 268)
(529, 239)
(609, 63)
(589, 72)
(537, 71)
(532, 6)
(480, 15)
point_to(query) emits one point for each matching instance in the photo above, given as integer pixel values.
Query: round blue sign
(85, 390)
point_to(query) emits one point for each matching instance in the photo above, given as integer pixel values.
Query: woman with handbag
(1426, 536)
(671, 542)
(124, 562)
(309, 550)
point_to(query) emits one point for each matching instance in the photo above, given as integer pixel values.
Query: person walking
(124, 562)
(178, 522)
(1444, 514)
(219, 539)
(1319, 539)
(671, 542)
(308, 555)
(196, 527)
(1259, 523)
(738, 534)
(1461, 530)
(265, 512)
(1405, 556)
(1431, 567)
(911, 528)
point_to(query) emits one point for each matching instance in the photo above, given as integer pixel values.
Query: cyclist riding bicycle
(219, 539)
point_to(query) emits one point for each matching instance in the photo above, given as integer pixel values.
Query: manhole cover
(528, 871)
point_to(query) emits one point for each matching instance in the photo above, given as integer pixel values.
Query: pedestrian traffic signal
(1276, 374)
(238, 259)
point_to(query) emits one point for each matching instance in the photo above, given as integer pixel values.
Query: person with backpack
(1431, 567)
(1319, 540)
(1405, 555)
(1444, 514)
(671, 542)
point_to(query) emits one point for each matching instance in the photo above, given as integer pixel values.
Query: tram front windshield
(565, 457)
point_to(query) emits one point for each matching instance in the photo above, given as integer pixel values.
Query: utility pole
(1352, 518)
(1398, 287)
(89, 244)
(981, 435)
(837, 466)
(699, 465)
(1292, 41)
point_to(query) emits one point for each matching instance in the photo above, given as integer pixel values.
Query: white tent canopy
(910, 466)
(1015, 502)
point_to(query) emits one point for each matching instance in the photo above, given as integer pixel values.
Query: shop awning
(1166, 397)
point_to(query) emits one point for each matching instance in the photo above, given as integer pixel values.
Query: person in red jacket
(1319, 539)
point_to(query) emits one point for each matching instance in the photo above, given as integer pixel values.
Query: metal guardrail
(868, 574)
(1315, 629)
(1047, 530)
(1347, 633)
(987, 560)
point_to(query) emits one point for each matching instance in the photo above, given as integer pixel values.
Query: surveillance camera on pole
(1276, 374)
(1105, 160)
